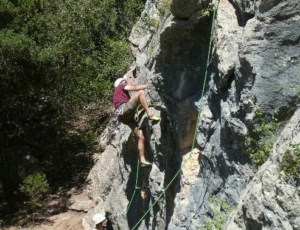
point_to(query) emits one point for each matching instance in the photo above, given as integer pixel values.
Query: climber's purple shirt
(120, 95)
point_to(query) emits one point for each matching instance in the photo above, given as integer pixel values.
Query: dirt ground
(70, 220)
(63, 211)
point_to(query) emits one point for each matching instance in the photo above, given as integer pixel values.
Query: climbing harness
(136, 114)
(119, 111)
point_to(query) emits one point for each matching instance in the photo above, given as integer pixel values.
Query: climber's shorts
(128, 112)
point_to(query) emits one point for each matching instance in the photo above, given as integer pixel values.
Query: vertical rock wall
(254, 64)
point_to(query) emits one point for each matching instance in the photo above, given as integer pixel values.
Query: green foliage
(221, 211)
(151, 22)
(163, 7)
(35, 186)
(297, 90)
(68, 44)
(57, 57)
(114, 59)
(291, 161)
(207, 10)
(260, 141)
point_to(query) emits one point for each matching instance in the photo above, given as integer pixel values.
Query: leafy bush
(35, 186)
(56, 59)
(221, 211)
(260, 141)
(207, 11)
(163, 6)
(291, 161)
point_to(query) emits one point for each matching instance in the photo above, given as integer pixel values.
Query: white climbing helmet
(125, 76)
(118, 81)
(98, 218)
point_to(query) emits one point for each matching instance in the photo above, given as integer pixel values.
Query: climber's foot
(146, 164)
(154, 118)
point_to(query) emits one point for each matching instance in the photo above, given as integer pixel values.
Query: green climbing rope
(199, 110)
(157, 199)
(135, 187)
(205, 75)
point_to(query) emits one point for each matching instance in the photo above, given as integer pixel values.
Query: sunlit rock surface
(208, 103)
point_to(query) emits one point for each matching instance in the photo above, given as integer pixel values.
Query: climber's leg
(140, 97)
(141, 147)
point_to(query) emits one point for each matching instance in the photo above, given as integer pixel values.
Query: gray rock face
(208, 103)
(184, 9)
(269, 202)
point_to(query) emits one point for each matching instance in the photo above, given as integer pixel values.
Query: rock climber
(125, 107)
(100, 221)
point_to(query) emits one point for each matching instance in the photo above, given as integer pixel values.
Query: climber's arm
(135, 87)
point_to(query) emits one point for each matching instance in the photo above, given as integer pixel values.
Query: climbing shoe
(154, 118)
(146, 164)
